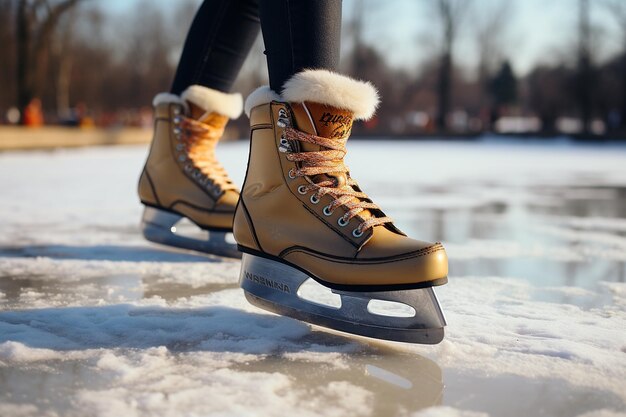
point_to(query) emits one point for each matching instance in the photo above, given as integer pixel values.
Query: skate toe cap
(431, 264)
(428, 264)
(425, 267)
(407, 260)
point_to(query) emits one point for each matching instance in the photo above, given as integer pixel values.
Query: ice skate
(301, 216)
(182, 178)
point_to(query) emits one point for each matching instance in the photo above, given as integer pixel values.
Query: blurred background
(501, 134)
(458, 68)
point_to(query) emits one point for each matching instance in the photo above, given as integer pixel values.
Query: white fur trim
(332, 89)
(166, 98)
(261, 95)
(214, 101)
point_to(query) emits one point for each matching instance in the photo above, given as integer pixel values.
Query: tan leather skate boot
(302, 216)
(182, 177)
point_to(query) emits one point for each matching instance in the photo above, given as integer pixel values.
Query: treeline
(81, 60)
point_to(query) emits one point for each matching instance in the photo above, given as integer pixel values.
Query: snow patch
(500, 330)
(23, 410)
(14, 352)
(604, 413)
(447, 412)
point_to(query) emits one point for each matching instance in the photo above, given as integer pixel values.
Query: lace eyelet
(314, 199)
(342, 221)
(284, 145)
(188, 168)
(180, 147)
(356, 233)
(302, 189)
(177, 119)
(292, 174)
(182, 158)
(177, 131)
(327, 211)
(176, 110)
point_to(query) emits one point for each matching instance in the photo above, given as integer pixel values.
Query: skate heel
(161, 226)
(277, 287)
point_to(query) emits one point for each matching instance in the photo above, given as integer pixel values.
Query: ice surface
(95, 321)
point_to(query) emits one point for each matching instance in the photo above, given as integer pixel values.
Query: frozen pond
(96, 321)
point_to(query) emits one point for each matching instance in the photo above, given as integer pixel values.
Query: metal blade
(159, 226)
(274, 286)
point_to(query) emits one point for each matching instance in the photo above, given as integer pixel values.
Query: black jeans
(298, 34)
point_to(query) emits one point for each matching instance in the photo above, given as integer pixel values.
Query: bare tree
(617, 9)
(362, 13)
(7, 53)
(549, 94)
(491, 29)
(584, 65)
(61, 48)
(36, 22)
(451, 14)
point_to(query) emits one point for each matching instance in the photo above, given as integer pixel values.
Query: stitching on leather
(261, 126)
(156, 197)
(250, 224)
(374, 261)
(199, 208)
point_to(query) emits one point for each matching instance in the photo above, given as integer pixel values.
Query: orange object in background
(33, 115)
(86, 122)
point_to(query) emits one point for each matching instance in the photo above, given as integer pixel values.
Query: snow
(94, 320)
(447, 412)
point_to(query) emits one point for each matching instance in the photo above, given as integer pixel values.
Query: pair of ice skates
(299, 215)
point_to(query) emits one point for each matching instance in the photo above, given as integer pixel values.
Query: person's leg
(217, 44)
(300, 34)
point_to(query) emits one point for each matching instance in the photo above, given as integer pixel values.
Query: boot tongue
(326, 121)
(330, 122)
(215, 123)
(201, 148)
(214, 120)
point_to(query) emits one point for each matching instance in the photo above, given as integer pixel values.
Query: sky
(406, 31)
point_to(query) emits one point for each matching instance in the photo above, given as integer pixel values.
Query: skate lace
(200, 140)
(327, 162)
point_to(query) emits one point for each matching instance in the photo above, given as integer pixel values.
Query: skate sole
(158, 226)
(170, 211)
(352, 288)
(275, 286)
